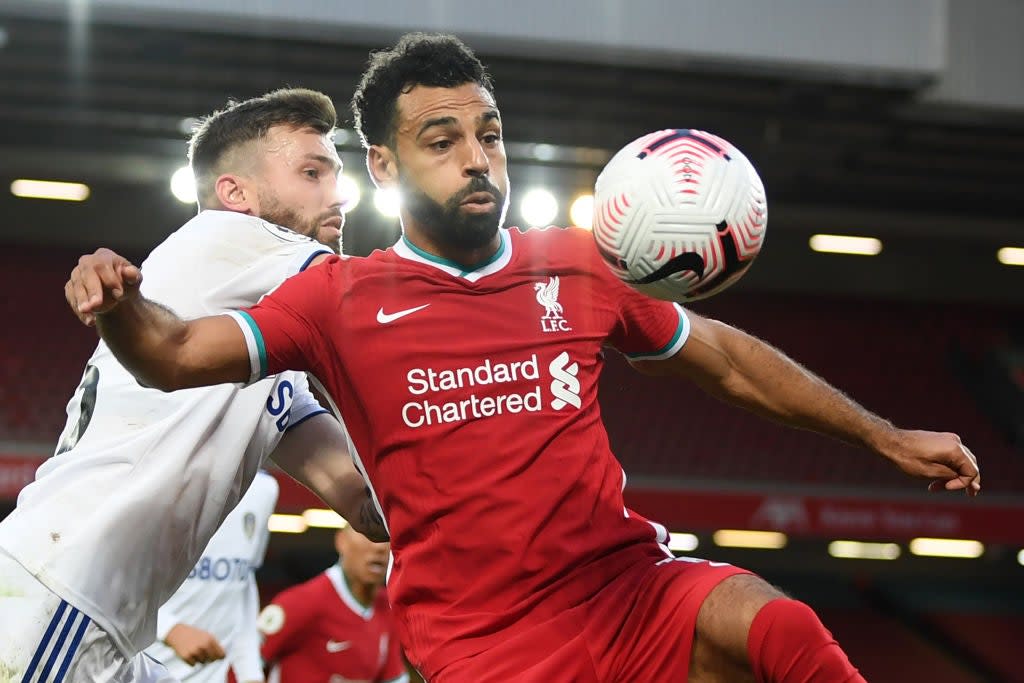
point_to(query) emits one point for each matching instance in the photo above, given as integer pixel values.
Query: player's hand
(194, 645)
(938, 456)
(99, 282)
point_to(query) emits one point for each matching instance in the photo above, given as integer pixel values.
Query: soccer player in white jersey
(141, 479)
(210, 624)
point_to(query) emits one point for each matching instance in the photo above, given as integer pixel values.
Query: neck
(364, 593)
(467, 258)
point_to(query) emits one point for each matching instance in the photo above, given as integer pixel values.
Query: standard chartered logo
(565, 386)
(451, 395)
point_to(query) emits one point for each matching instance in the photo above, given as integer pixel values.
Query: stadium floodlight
(858, 550)
(1011, 256)
(743, 538)
(846, 244)
(324, 519)
(183, 185)
(947, 547)
(681, 542)
(1020, 557)
(538, 207)
(50, 189)
(581, 213)
(350, 193)
(287, 524)
(387, 201)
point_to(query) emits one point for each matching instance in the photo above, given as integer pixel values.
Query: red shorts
(639, 627)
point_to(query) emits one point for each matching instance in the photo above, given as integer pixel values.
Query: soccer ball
(679, 214)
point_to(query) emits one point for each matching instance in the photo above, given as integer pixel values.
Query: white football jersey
(220, 597)
(141, 479)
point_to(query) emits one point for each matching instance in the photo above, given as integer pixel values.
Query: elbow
(162, 381)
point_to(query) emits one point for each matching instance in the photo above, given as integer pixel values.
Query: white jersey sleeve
(142, 479)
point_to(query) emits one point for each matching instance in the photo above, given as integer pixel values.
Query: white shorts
(43, 639)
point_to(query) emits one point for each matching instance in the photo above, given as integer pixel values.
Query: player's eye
(491, 138)
(441, 145)
(312, 173)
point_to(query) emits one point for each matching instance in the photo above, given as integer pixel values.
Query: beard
(274, 211)
(447, 223)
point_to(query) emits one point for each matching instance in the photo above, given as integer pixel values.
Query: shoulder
(304, 597)
(568, 249)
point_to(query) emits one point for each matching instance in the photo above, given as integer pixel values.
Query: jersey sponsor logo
(271, 619)
(221, 569)
(427, 383)
(338, 645)
(385, 318)
(279, 404)
(565, 386)
(547, 296)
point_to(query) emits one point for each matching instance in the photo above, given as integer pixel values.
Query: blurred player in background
(477, 421)
(209, 625)
(141, 479)
(337, 626)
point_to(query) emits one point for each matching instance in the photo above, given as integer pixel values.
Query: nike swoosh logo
(335, 646)
(385, 318)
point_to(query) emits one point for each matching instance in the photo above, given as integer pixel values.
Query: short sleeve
(283, 623)
(646, 328)
(284, 331)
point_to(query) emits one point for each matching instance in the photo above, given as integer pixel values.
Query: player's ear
(234, 194)
(381, 163)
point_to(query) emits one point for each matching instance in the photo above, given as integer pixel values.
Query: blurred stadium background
(900, 122)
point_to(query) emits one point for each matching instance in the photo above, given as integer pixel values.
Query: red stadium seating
(44, 347)
(891, 357)
(992, 638)
(886, 651)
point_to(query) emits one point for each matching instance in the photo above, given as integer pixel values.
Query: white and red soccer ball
(679, 214)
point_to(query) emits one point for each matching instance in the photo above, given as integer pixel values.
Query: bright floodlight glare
(538, 207)
(183, 185)
(743, 538)
(286, 524)
(682, 542)
(846, 244)
(582, 211)
(947, 547)
(1020, 558)
(350, 192)
(1011, 256)
(50, 189)
(387, 201)
(858, 550)
(324, 519)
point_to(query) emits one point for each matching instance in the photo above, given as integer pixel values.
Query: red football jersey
(471, 399)
(317, 632)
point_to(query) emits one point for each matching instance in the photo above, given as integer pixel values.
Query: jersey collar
(407, 250)
(345, 593)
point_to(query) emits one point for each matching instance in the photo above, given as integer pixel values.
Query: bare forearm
(146, 338)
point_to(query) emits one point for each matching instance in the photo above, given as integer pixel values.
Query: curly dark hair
(434, 60)
(242, 122)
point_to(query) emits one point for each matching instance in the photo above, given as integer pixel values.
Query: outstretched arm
(747, 372)
(151, 341)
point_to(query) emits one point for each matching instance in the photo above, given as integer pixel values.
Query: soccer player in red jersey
(337, 625)
(464, 362)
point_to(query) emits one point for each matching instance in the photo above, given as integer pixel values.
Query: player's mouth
(333, 225)
(377, 567)
(479, 202)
